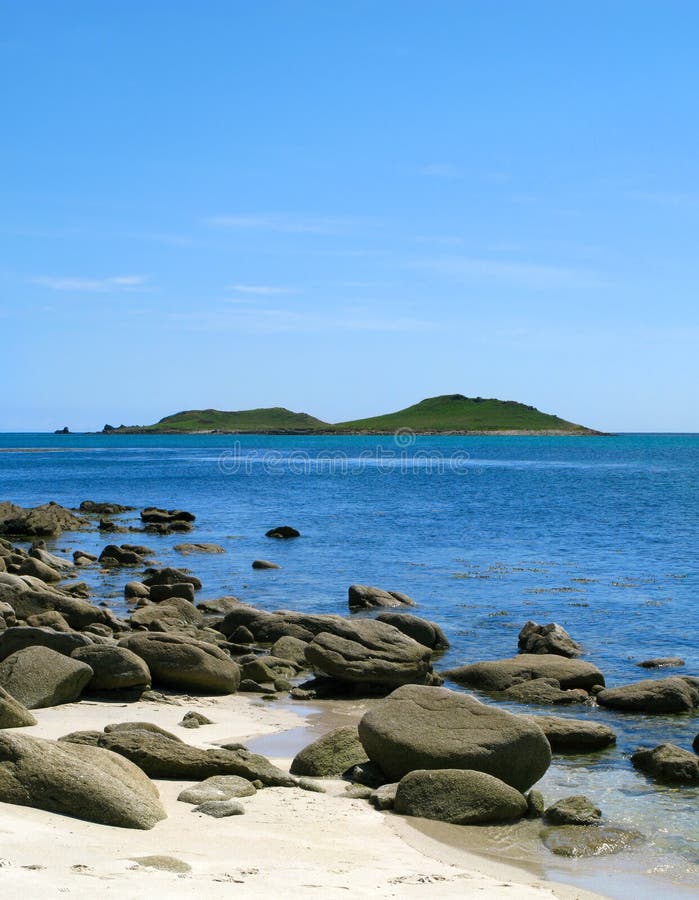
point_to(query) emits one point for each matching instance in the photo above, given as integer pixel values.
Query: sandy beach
(314, 844)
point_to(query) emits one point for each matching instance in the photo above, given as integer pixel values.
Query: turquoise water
(598, 534)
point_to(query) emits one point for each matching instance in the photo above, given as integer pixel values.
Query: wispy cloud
(274, 320)
(260, 290)
(441, 170)
(89, 285)
(528, 274)
(287, 223)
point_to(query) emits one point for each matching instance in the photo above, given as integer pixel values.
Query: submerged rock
(668, 762)
(579, 841)
(264, 564)
(662, 662)
(434, 728)
(363, 596)
(653, 695)
(575, 735)
(283, 532)
(500, 674)
(458, 796)
(575, 810)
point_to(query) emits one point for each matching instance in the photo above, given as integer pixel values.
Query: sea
(599, 534)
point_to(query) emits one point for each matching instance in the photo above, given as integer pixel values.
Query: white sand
(289, 842)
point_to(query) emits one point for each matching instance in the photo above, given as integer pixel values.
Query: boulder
(76, 780)
(103, 508)
(186, 549)
(48, 520)
(662, 662)
(363, 596)
(194, 719)
(264, 564)
(115, 668)
(170, 615)
(123, 555)
(169, 576)
(141, 726)
(458, 796)
(500, 674)
(50, 559)
(12, 713)
(21, 636)
(283, 532)
(134, 590)
(185, 664)
(652, 695)
(220, 809)
(433, 728)
(31, 597)
(574, 735)
(52, 619)
(551, 638)
(218, 787)
(384, 797)
(39, 677)
(330, 755)
(292, 649)
(544, 691)
(581, 841)
(669, 763)
(370, 652)
(160, 592)
(429, 634)
(576, 810)
(695, 744)
(38, 569)
(160, 757)
(156, 516)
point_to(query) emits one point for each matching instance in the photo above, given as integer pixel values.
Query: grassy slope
(454, 412)
(253, 420)
(451, 412)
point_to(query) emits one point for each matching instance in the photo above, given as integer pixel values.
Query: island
(446, 414)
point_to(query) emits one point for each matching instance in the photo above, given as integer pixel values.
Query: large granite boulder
(174, 614)
(12, 713)
(574, 735)
(458, 796)
(115, 668)
(575, 810)
(170, 576)
(218, 787)
(48, 520)
(21, 636)
(185, 664)
(667, 762)
(364, 596)
(330, 755)
(161, 757)
(370, 652)
(427, 633)
(551, 638)
(499, 674)
(419, 727)
(38, 569)
(76, 780)
(39, 677)
(653, 695)
(159, 592)
(544, 692)
(30, 596)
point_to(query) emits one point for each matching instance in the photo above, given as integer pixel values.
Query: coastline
(288, 840)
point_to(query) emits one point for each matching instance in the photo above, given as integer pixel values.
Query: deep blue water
(598, 534)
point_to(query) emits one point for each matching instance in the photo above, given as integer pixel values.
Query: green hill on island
(456, 413)
(450, 413)
(253, 421)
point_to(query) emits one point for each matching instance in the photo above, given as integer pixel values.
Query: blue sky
(345, 207)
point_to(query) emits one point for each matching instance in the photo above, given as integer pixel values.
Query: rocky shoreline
(419, 749)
